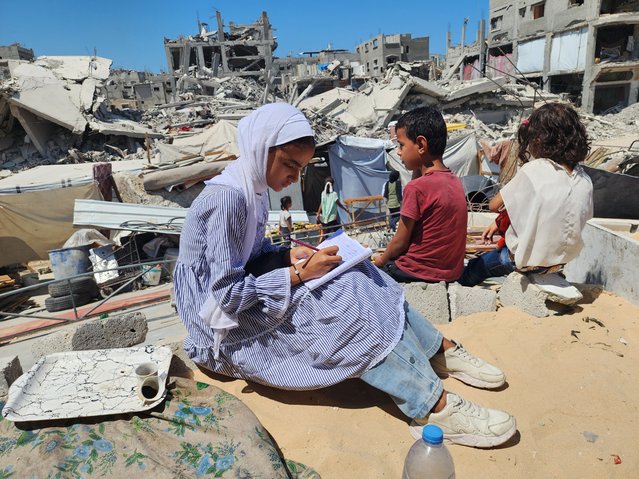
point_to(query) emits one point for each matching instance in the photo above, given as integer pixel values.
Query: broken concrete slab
(120, 331)
(76, 68)
(464, 300)
(10, 370)
(476, 87)
(518, 291)
(429, 299)
(557, 288)
(47, 96)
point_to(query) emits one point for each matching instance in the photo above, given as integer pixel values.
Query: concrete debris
(465, 301)
(10, 370)
(518, 291)
(429, 299)
(120, 331)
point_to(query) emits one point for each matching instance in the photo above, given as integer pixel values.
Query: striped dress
(288, 337)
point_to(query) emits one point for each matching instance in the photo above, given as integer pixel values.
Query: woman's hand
(320, 263)
(487, 235)
(299, 253)
(378, 259)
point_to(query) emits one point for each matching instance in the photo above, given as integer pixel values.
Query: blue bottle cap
(432, 434)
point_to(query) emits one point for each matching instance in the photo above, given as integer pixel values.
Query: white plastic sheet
(530, 55)
(568, 51)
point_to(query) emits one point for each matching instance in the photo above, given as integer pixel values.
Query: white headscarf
(270, 125)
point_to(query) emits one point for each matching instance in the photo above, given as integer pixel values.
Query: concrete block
(518, 291)
(464, 300)
(10, 370)
(120, 331)
(429, 299)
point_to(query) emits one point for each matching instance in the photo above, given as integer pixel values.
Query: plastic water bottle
(428, 458)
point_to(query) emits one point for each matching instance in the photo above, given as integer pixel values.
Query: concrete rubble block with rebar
(429, 299)
(120, 331)
(10, 370)
(464, 300)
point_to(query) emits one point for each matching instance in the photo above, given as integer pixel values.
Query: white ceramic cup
(146, 369)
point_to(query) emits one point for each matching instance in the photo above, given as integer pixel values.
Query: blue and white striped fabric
(288, 337)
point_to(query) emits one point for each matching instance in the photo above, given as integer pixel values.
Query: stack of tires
(65, 294)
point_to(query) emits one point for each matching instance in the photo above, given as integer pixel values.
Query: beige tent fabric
(35, 222)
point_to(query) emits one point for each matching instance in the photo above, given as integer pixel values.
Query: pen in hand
(301, 243)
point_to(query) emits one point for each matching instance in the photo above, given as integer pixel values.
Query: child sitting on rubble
(430, 242)
(272, 329)
(544, 208)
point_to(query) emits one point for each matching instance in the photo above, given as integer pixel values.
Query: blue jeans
(406, 374)
(488, 265)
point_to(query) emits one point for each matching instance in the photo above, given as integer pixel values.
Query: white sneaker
(469, 424)
(460, 364)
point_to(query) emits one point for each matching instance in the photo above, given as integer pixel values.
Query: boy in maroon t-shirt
(431, 236)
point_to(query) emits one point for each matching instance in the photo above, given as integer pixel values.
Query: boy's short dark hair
(426, 121)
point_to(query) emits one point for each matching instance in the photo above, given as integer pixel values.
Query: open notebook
(351, 252)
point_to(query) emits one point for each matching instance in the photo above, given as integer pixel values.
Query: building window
(575, 3)
(375, 42)
(522, 12)
(375, 61)
(495, 23)
(538, 10)
(407, 48)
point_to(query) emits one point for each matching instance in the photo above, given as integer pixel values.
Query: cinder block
(464, 300)
(429, 299)
(519, 292)
(10, 370)
(120, 331)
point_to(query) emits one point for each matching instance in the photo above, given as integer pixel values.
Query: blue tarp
(359, 168)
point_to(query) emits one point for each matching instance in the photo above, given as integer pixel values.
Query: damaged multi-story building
(137, 90)
(227, 51)
(377, 53)
(587, 49)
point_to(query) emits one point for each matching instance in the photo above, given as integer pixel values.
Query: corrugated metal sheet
(127, 216)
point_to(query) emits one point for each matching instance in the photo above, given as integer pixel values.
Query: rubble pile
(82, 126)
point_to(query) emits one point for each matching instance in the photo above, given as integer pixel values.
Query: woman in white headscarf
(266, 325)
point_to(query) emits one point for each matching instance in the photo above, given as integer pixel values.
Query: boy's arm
(399, 244)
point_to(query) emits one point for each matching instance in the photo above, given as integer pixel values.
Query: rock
(558, 289)
(429, 299)
(464, 300)
(5, 174)
(10, 370)
(519, 292)
(120, 331)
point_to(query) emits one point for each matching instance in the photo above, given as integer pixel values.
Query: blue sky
(131, 32)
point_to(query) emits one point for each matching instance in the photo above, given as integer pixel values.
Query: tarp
(530, 55)
(35, 222)
(220, 137)
(461, 155)
(358, 166)
(47, 177)
(568, 51)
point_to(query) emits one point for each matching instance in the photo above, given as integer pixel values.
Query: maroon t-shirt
(437, 203)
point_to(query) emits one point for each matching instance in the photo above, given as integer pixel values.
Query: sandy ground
(573, 386)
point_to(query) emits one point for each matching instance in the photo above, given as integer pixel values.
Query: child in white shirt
(546, 205)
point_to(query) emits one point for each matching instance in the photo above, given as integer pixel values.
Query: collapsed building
(239, 51)
(588, 50)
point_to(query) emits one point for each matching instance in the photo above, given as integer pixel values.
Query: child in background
(327, 212)
(430, 242)
(392, 192)
(286, 226)
(548, 201)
